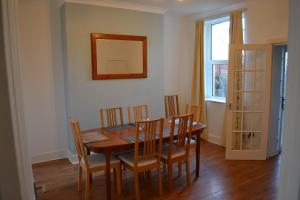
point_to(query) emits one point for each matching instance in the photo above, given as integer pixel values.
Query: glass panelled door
(248, 102)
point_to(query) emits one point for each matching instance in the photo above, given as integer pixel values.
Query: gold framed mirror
(118, 56)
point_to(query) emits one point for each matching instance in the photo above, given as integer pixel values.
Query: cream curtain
(236, 27)
(235, 37)
(198, 92)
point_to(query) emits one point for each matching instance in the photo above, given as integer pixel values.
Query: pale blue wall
(86, 96)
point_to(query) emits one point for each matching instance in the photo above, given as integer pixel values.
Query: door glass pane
(249, 81)
(252, 121)
(236, 141)
(260, 60)
(248, 101)
(260, 80)
(247, 141)
(249, 60)
(237, 121)
(251, 141)
(259, 101)
(256, 143)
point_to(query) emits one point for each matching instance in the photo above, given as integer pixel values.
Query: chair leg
(164, 167)
(119, 180)
(159, 181)
(136, 184)
(179, 168)
(79, 178)
(188, 175)
(87, 185)
(170, 176)
(140, 175)
(115, 176)
(149, 177)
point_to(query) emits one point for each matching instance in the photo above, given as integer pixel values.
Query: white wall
(87, 96)
(42, 78)
(266, 20)
(179, 32)
(172, 33)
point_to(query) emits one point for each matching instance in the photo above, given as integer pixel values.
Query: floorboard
(219, 179)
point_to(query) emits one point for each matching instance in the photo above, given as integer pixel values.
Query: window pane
(220, 80)
(220, 41)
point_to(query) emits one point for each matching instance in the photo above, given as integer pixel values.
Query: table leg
(198, 155)
(107, 174)
(91, 176)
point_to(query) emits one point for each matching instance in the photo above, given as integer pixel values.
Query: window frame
(208, 62)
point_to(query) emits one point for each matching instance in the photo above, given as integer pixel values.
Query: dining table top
(116, 136)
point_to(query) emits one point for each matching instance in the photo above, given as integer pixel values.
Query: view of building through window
(220, 74)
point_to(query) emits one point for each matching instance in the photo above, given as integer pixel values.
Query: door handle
(282, 103)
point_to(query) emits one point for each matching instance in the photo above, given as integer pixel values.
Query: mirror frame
(98, 76)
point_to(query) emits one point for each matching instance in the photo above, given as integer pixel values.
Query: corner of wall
(215, 140)
(73, 159)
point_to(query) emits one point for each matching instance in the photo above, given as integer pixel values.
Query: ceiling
(186, 7)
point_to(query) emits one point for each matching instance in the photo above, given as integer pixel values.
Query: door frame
(276, 111)
(283, 74)
(253, 154)
(13, 65)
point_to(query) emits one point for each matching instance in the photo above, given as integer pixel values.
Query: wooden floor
(219, 179)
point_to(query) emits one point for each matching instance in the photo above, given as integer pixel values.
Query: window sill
(216, 100)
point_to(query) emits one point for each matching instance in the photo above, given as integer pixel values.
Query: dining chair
(171, 105)
(178, 150)
(114, 117)
(147, 152)
(92, 163)
(140, 112)
(194, 109)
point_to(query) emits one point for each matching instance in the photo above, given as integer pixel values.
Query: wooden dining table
(116, 142)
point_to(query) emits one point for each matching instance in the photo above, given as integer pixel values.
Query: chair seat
(128, 158)
(192, 141)
(98, 160)
(176, 152)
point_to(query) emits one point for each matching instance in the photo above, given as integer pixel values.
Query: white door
(248, 102)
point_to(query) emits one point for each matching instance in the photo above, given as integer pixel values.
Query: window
(216, 57)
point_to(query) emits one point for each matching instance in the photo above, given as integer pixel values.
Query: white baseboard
(55, 155)
(215, 140)
(73, 159)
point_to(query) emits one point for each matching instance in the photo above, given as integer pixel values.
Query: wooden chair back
(182, 128)
(171, 105)
(146, 135)
(72, 123)
(114, 117)
(78, 140)
(140, 113)
(194, 109)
